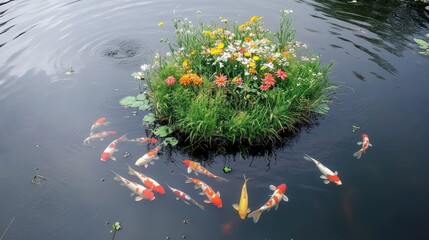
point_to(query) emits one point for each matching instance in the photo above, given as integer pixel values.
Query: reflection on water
(46, 114)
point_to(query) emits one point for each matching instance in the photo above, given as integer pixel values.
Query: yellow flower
(214, 51)
(160, 24)
(185, 63)
(193, 52)
(242, 26)
(252, 64)
(255, 18)
(253, 71)
(247, 54)
(256, 58)
(263, 68)
(220, 46)
(219, 30)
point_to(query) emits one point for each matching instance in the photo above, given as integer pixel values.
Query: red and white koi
(197, 168)
(274, 201)
(111, 149)
(141, 191)
(185, 197)
(212, 196)
(365, 144)
(149, 182)
(328, 176)
(98, 123)
(148, 157)
(144, 140)
(100, 135)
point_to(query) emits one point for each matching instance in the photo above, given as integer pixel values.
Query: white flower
(144, 68)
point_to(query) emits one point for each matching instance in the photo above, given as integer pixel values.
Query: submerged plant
(239, 83)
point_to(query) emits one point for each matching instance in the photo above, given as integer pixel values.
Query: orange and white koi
(212, 196)
(144, 140)
(98, 123)
(197, 168)
(365, 144)
(328, 176)
(148, 157)
(100, 135)
(111, 149)
(149, 182)
(274, 201)
(141, 191)
(185, 197)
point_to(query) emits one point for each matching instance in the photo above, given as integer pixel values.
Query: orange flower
(253, 71)
(269, 79)
(196, 80)
(220, 80)
(190, 78)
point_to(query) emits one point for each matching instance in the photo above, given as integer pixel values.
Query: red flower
(281, 74)
(220, 80)
(264, 87)
(170, 80)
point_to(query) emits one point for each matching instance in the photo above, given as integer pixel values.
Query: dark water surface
(46, 114)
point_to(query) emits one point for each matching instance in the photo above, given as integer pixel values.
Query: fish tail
(116, 178)
(220, 179)
(358, 154)
(188, 180)
(246, 179)
(124, 138)
(255, 215)
(308, 158)
(199, 205)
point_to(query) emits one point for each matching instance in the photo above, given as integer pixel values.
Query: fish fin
(323, 177)
(207, 201)
(189, 170)
(336, 173)
(359, 143)
(358, 154)
(138, 198)
(201, 193)
(196, 187)
(152, 163)
(177, 198)
(113, 158)
(285, 198)
(248, 210)
(369, 144)
(187, 181)
(117, 178)
(185, 202)
(277, 206)
(199, 205)
(146, 165)
(272, 187)
(326, 181)
(218, 193)
(235, 206)
(220, 179)
(156, 158)
(131, 171)
(132, 194)
(308, 158)
(255, 215)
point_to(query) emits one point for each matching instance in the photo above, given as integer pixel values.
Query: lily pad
(127, 101)
(423, 44)
(149, 118)
(171, 140)
(144, 106)
(141, 97)
(163, 131)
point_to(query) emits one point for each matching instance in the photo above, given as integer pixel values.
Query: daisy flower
(220, 80)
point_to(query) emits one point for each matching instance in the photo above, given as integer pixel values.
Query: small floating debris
(186, 221)
(227, 170)
(183, 236)
(70, 71)
(355, 128)
(126, 154)
(37, 179)
(102, 179)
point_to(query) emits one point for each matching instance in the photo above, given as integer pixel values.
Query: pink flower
(220, 80)
(281, 74)
(264, 87)
(269, 79)
(239, 81)
(170, 80)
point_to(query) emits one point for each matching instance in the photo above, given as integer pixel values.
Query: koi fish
(98, 123)
(274, 201)
(185, 197)
(328, 175)
(197, 168)
(242, 206)
(365, 144)
(100, 135)
(148, 157)
(111, 149)
(144, 140)
(212, 196)
(149, 182)
(142, 192)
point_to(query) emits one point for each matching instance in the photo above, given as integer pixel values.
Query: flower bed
(236, 83)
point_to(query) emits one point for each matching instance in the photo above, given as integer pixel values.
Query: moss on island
(235, 84)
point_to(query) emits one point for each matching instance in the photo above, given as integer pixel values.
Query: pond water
(46, 114)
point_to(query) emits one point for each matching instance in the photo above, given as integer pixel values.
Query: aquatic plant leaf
(149, 118)
(127, 101)
(171, 140)
(322, 108)
(163, 131)
(227, 169)
(423, 44)
(141, 97)
(116, 226)
(144, 106)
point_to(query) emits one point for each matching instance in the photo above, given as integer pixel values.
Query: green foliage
(234, 84)
(149, 118)
(423, 45)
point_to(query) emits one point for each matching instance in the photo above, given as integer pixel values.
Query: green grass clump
(236, 83)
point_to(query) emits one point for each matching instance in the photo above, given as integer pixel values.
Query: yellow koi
(242, 206)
